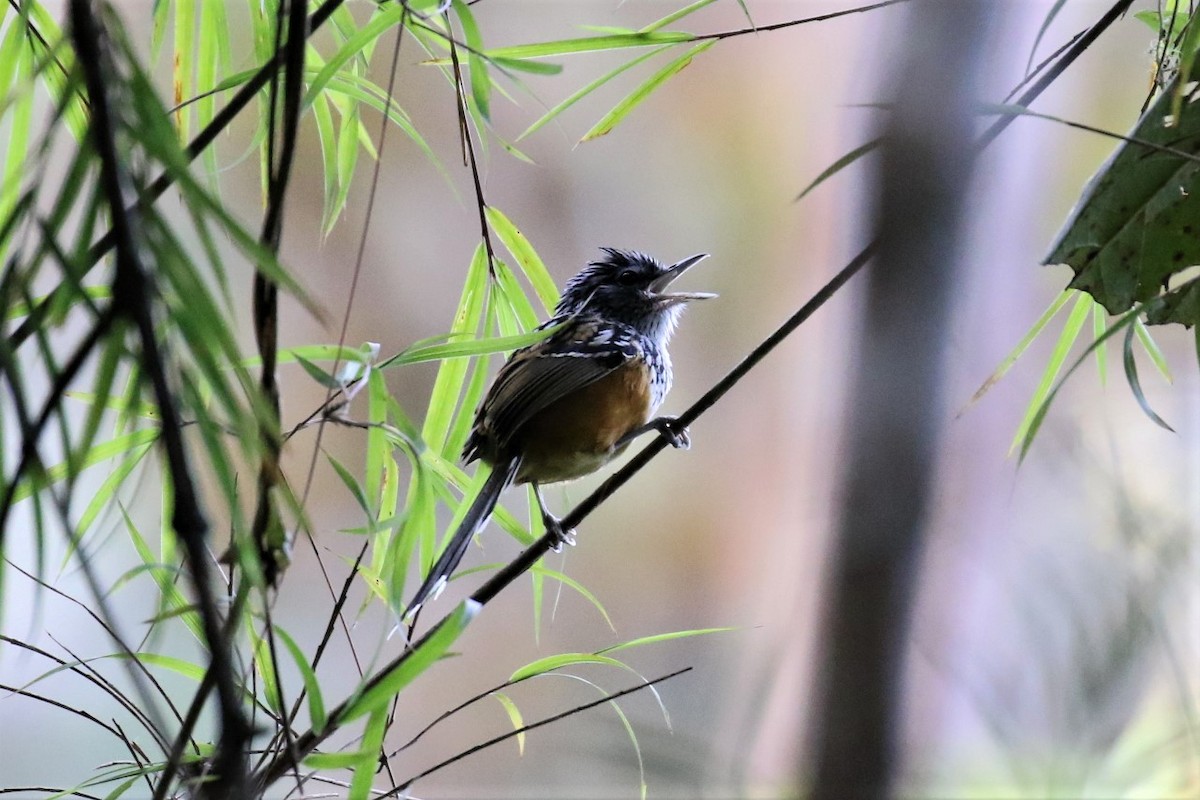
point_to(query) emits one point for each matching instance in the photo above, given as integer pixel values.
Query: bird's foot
(562, 536)
(671, 430)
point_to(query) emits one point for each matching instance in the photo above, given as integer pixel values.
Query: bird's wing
(579, 354)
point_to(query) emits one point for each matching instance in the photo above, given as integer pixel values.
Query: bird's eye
(628, 277)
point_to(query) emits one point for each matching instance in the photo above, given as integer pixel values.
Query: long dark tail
(477, 516)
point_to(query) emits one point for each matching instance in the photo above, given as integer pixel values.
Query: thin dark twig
(532, 726)
(132, 298)
(1077, 49)
(139, 758)
(113, 634)
(791, 23)
(79, 712)
(50, 791)
(464, 128)
(1045, 63)
(93, 677)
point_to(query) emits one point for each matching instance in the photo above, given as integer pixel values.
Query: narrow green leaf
(521, 65)
(838, 166)
(635, 98)
(452, 373)
(1037, 40)
(324, 762)
(169, 594)
(579, 94)
(1044, 408)
(356, 489)
(472, 347)
(481, 82)
(1021, 347)
(319, 375)
(1099, 326)
(185, 63)
(664, 637)
(1152, 350)
(264, 665)
(312, 686)
(419, 659)
(368, 764)
(1135, 385)
(531, 264)
(1062, 348)
(675, 16)
(385, 18)
(549, 663)
(591, 44)
(514, 716)
(101, 452)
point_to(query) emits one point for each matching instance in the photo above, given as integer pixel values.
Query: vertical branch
(267, 530)
(133, 298)
(894, 424)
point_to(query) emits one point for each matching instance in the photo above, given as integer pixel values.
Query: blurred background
(1055, 645)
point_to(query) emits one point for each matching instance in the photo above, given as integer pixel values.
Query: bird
(565, 406)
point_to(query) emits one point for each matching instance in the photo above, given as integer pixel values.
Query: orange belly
(578, 434)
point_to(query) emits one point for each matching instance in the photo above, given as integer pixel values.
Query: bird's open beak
(659, 285)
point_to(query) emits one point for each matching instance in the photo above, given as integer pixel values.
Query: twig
(531, 726)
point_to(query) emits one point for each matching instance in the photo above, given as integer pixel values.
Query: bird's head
(631, 287)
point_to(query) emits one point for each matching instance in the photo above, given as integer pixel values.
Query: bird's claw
(562, 536)
(675, 433)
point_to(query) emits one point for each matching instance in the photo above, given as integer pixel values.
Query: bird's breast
(578, 434)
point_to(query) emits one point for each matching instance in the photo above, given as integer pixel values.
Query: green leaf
(664, 637)
(533, 267)
(435, 644)
(471, 347)
(1099, 326)
(838, 166)
(1152, 350)
(635, 98)
(586, 90)
(1135, 385)
(1021, 347)
(94, 455)
(675, 16)
(1044, 407)
(481, 83)
(1058, 356)
(312, 686)
(319, 375)
(514, 716)
(1135, 226)
(591, 44)
(453, 371)
(353, 485)
(550, 663)
(1050, 15)
(369, 764)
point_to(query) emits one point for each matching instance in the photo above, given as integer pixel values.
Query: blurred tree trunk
(897, 413)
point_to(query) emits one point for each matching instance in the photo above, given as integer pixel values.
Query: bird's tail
(477, 516)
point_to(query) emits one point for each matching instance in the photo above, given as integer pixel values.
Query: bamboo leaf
(591, 44)
(419, 659)
(1135, 385)
(1058, 356)
(635, 98)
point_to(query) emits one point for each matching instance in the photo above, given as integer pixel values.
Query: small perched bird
(564, 407)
